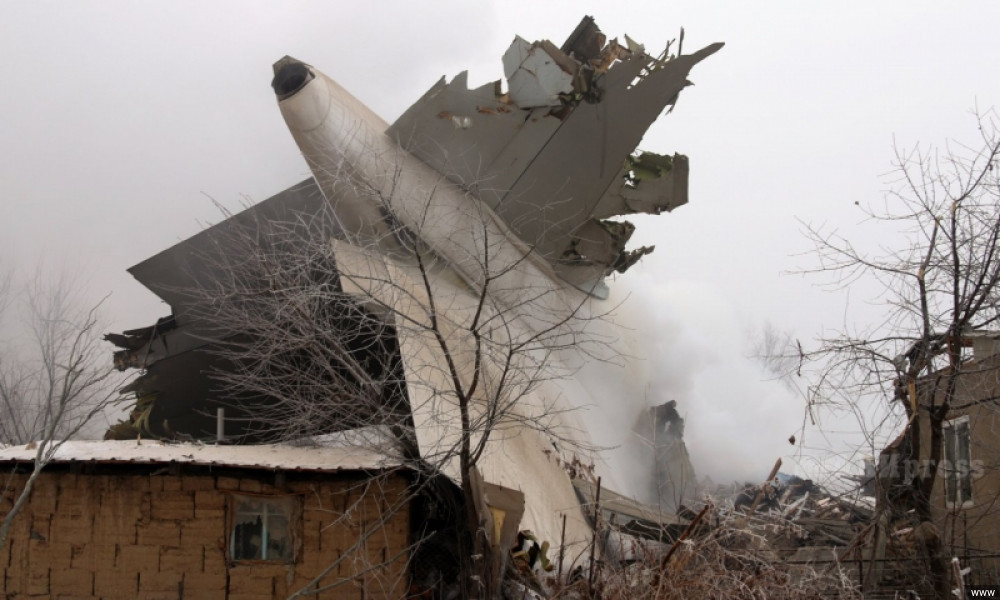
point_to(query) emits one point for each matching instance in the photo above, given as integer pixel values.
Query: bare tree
(936, 271)
(54, 382)
(318, 327)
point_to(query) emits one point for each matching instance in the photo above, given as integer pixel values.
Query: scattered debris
(795, 513)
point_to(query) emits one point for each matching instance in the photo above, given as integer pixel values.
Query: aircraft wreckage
(514, 194)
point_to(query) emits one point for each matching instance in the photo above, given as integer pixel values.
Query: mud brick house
(964, 499)
(964, 495)
(128, 519)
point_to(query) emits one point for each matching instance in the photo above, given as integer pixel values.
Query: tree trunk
(476, 552)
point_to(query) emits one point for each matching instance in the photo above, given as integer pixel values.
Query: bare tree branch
(939, 287)
(54, 386)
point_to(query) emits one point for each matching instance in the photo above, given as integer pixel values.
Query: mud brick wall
(976, 526)
(159, 535)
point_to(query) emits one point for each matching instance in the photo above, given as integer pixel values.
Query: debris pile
(801, 520)
(788, 538)
(720, 555)
(729, 561)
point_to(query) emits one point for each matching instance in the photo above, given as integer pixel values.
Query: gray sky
(120, 121)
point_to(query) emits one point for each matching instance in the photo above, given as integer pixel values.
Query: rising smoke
(687, 343)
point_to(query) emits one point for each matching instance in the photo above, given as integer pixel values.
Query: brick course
(165, 536)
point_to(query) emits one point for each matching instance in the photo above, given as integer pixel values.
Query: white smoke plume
(688, 343)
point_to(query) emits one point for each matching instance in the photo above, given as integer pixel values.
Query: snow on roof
(315, 457)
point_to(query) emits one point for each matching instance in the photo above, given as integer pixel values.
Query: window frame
(293, 517)
(957, 476)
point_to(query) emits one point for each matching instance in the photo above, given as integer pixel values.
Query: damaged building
(463, 247)
(964, 519)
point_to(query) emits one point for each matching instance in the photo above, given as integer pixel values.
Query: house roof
(322, 457)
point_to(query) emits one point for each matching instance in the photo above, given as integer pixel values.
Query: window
(261, 528)
(957, 466)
